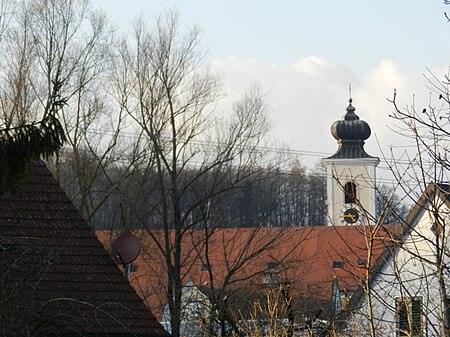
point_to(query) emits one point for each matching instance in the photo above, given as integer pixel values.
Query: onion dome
(350, 133)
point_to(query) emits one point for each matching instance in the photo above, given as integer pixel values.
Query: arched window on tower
(350, 193)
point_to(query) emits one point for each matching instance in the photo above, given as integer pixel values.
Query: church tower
(351, 173)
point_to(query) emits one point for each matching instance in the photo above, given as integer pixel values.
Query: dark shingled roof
(55, 276)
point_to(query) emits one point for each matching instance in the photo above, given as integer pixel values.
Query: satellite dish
(125, 248)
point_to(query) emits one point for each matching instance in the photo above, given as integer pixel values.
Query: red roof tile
(306, 254)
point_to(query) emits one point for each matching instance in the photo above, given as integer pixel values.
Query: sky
(304, 54)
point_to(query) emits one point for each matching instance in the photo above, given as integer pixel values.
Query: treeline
(146, 142)
(117, 197)
(275, 198)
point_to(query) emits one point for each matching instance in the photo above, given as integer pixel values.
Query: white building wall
(361, 171)
(409, 273)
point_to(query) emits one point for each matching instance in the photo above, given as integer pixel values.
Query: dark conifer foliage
(23, 143)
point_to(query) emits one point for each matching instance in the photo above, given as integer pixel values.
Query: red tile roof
(305, 255)
(57, 277)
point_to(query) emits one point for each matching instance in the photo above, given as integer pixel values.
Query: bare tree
(428, 130)
(267, 317)
(29, 114)
(162, 83)
(238, 264)
(56, 84)
(389, 205)
(75, 44)
(405, 291)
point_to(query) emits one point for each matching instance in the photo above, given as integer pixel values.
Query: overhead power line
(297, 153)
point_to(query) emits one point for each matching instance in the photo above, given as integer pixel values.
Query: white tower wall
(361, 172)
(352, 168)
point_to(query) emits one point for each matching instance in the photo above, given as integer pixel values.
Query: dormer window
(338, 264)
(272, 265)
(362, 263)
(350, 193)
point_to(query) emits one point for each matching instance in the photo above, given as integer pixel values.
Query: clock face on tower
(350, 215)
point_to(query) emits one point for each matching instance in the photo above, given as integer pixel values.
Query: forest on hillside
(133, 128)
(277, 198)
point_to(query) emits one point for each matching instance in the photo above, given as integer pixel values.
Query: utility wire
(383, 166)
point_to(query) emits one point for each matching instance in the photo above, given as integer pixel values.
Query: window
(337, 264)
(350, 193)
(206, 267)
(448, 311)
(409, 316)
(272, 265)
(362, 263)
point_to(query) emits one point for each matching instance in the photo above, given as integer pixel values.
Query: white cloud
(377, 87)
(306, 97)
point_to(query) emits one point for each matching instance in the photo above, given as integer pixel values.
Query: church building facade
(351, 173)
